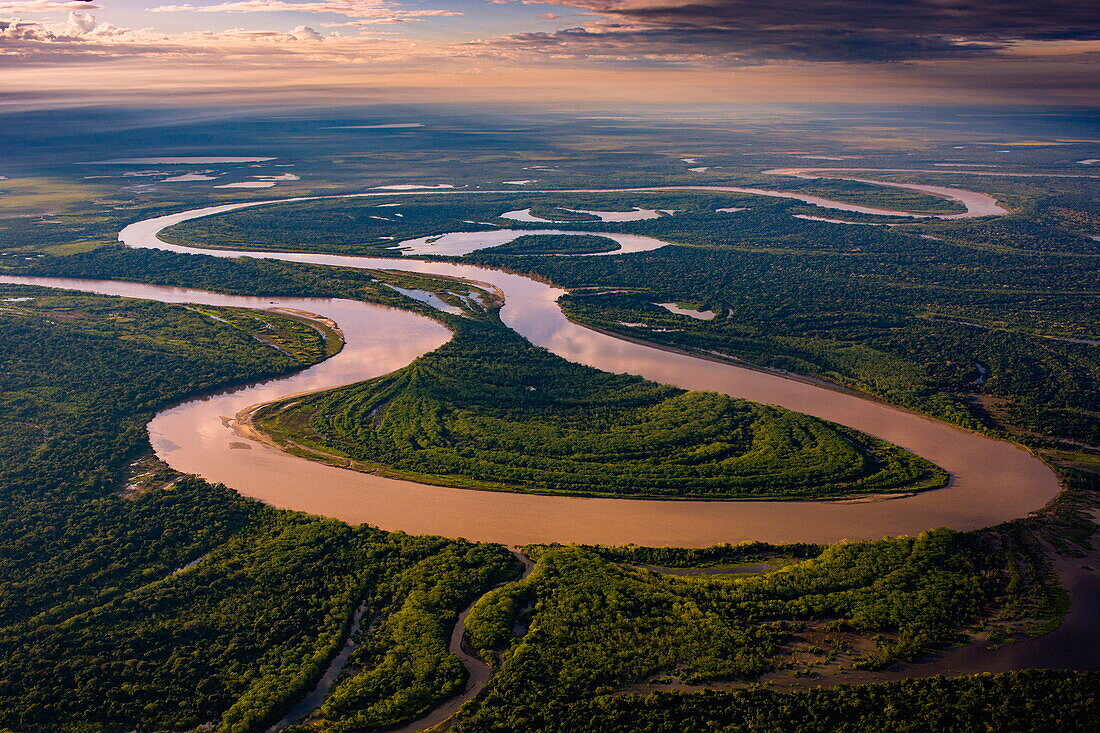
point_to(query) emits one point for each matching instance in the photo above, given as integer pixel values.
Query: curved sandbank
(991, 480)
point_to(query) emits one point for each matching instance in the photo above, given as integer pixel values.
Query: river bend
(991, 480)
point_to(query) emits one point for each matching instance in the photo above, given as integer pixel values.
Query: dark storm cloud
(741, 46)
(828, 30)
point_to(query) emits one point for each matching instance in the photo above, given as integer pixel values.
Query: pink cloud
(413, 16)
(45, 6)
(350, 8)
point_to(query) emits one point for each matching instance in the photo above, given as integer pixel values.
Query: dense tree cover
(1013, 702)
(1029, 232)
(913, 327)
(69, 430)
(246, 276)
(581, 626)
(236, 639)
(196, 348)
(701, 557)
(401, 666)
(376, 225)
(304, 340)
(490, 410)
(555, 244)
(867, 194)
(557, 213)
(1059, 222)
(180, 603)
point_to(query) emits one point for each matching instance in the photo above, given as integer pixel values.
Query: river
(991, 480)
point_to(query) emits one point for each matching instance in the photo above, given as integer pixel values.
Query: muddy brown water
(991, 480)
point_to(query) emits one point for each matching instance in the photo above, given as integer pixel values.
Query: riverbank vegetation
(595, 630)
(202, 607)
(555, 244)
(489, 410)
(920, 323)
(170, 603)
(375, 225)
(1022, 702)
(247, 276)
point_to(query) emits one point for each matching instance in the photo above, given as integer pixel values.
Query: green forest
(489, 410)
(170, 603)
(1021, 702)
(555, 244)
(586, 629)
(197, 607)
(911, 320)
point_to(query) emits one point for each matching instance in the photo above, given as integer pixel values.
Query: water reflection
(992, 481)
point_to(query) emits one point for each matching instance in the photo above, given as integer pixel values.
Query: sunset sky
(585, 52)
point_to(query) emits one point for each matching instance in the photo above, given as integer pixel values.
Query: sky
(574, 52)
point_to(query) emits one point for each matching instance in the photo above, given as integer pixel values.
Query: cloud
(365, 12)
(379, 11)
(305, 33)
(351, 8)
(81, 39)
(82, 22)
(895, 50)
(45, 6)
(412, 17)
(715, 46)
(751, 31)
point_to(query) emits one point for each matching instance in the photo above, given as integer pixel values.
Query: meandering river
(991, 480)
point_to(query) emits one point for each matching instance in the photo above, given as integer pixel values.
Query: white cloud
(80, 38)
(44, 6)
(305, 33)
(81, 22)
(414, 16)
(364, 12)
(380, 10)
